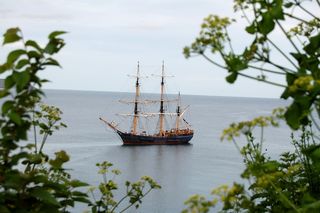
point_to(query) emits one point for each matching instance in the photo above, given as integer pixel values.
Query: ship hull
(133, 140)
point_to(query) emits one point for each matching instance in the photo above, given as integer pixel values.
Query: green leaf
(285, 94)
(35, 158)
(292, 116)
(56, 33)
(314, 45)
(6, 106)
(31, 43)
(288, 4)
(22, 63)
(40, 179)
(82, 200)
(15, 118)
(232, 77)
(270, 166)
(17, 157)
(235, 63)
(277, 11)
(21, 78)
(290, 77)
(43, 126)
(14, 179)
(67, 202)
(11, 35)
(9, 82)
(34, 54)
(4, 67)
(52, 62)
(266, 25)
(4, 93)
(14, 55)
(251, 29)
(61, 157)
(53, 46)
(44, 196)
(297, 113)
(77, 183)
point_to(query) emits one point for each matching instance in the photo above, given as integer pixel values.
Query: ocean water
(181, 170)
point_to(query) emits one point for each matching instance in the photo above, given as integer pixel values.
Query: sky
(106, 38)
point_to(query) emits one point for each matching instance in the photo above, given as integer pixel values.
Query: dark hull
(129, 139)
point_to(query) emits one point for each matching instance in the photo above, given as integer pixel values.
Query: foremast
(161, 114)
(136, 100)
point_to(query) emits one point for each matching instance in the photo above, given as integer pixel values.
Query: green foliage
(134, 191)
(28, 189)
(301, 67)
(290, 184)
(31, 181)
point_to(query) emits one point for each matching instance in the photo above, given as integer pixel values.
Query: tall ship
(180, 131)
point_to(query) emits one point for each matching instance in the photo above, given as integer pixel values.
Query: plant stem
(314, 121)
(123, 210)
(213, 62)
(305, 10)
(282, 53)
(261, 138)
(288, 37)
(122, 199)
(266, 70)
(229, 40)
(245, 15)
(45, 136)
(287, 70)
(34, 132)
(265, 81)
(236, 145)
(296, 18)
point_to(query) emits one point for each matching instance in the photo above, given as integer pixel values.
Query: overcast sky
(107, 37)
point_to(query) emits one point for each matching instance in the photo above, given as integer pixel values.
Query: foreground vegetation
(30, 180)
(292, 182)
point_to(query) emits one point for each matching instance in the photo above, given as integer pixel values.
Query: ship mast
(178, 113)
(161, 115)
(136, 112)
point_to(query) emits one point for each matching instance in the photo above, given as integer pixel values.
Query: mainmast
(161, 115)
(136, 100)
(178, 113)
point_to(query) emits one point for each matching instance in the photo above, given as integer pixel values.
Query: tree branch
(229, 40)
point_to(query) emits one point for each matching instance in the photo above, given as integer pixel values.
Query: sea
(181, 170)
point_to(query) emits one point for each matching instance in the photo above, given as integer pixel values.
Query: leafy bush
(288, 184)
